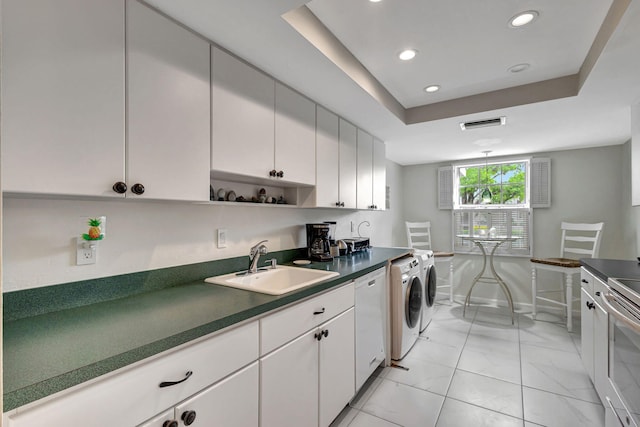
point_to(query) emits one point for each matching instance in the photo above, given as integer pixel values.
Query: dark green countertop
(605, 268)
(49, 352)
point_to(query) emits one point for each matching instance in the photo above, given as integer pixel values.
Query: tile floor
(482, 371)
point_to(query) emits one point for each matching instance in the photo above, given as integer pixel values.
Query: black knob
(318, 336)
(598, 293)
(338, 204)
(120, 187)
(590, 305)
(137, 189)
(272, 173)
(342, 204)
(325, 333)
(280, 174)
(170, 423)
(584, 281)
(188, 417)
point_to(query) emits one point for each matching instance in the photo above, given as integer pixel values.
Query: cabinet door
(600, 351)
(62, 96)
(586, 325)
(295, 136)
(327, 158)
(337, 372)
(365, 170)
(233, 402)
(160, 420)
(242, 117)
(168, 108)
(348, 164)
(289, 384)
(379, 175)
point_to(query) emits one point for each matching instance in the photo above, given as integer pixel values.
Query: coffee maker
(318, 245)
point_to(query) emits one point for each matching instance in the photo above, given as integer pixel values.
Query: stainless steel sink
(276, 281)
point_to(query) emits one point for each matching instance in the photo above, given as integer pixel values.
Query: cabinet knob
(325, 333)
(120, 187)
(591, 305)
(280, 174)
(137, 189)
(188, 417)
(170, 423)
(584, 281)
(272, 173)
(598, 293)
(338, 204)
(342, 204)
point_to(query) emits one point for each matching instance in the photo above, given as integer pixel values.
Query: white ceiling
(465, 46)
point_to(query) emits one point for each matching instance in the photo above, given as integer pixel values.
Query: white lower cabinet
(310, 377)
(594, 332)
(232, 402)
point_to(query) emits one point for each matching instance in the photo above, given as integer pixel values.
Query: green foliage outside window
(505, 181)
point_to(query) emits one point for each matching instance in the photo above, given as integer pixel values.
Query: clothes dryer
(406, 305)
(429, 282)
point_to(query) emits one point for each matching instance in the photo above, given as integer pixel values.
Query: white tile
(448, 336)
(365, 420)
(425, 375)
(455, 414)
(345, 417)
(552, 410)
(547, 335)
(404, 405)
(497, 345)
(490, 393)
(491, 362)
(498, 316)
(431, 351)
(482, 329)
(365, 392)
(556, 371)
(446, 312)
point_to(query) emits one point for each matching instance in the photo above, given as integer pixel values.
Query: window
(492, 197)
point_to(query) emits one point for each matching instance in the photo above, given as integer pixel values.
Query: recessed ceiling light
(407, 54)
(519, 67)
(432, 88)
(523, 18)
(375, 1)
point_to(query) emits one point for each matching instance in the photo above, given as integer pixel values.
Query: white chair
(578, 241)
(419, 237)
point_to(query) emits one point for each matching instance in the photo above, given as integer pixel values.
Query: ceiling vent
(498, 121)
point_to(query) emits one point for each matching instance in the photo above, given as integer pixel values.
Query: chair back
(580, 240)
(419, 234)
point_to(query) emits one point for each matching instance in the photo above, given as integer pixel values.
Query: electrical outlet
(86, 253)
(222, 238)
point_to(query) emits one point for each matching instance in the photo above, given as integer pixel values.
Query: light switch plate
(222, 238)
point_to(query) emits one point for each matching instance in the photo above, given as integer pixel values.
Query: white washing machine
(429, 282)
(406, 305)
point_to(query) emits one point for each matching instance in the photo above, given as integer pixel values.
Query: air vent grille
(498, 121)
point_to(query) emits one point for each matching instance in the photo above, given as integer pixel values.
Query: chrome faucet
(254, 255)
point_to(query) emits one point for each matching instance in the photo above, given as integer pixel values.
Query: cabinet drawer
(586, 280)
(133, 395)
(285, 325)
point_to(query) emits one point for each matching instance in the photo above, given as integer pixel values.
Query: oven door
(623, 397)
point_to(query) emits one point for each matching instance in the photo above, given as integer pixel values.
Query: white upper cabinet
(348, 164)
(295, 137)
(371, 172)
(168, 108)
(327, 159)
(242, 117)
(365, 170)
(379, 175)
(62, 96)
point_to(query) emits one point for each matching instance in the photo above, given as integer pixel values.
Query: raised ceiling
(466, 47)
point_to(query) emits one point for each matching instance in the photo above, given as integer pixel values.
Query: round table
(484, 243)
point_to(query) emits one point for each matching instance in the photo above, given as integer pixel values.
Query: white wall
(39, 238)
(587, 186)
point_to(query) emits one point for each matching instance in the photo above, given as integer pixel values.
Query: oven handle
(608, 300)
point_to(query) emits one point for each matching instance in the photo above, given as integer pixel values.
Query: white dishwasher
(370, 312)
